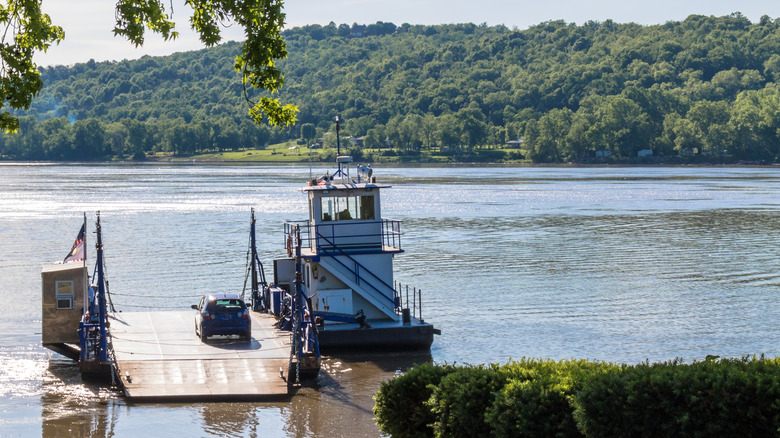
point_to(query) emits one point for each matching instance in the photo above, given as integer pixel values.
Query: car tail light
(206, 315)
(244, 314)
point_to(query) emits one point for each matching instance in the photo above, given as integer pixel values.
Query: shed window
(64, 294)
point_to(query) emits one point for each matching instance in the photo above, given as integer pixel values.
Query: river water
(620, 264)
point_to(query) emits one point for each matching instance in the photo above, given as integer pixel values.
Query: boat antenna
(338, 145)
(338, 141)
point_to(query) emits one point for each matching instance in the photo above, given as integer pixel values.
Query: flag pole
(86, 273)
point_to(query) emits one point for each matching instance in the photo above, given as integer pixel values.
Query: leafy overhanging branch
(262, 21)
(26, 30)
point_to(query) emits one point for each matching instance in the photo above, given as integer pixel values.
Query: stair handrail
(357, 274)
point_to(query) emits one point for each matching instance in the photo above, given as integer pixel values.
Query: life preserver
(289, 246)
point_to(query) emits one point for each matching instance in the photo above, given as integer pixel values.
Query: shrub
(732, 397)
(356, 153)
(461, 400)
(327, 155)
(536, 398)
(401, 409)
(515, 156)
(536, 402)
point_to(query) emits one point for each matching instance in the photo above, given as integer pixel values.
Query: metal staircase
(356, 276)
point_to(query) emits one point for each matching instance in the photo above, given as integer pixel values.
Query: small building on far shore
(515, 144)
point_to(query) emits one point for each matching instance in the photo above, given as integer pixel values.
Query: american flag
(76, 253)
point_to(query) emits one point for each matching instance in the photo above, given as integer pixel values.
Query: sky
(88, 24)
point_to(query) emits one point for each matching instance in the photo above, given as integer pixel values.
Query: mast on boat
(93, 336)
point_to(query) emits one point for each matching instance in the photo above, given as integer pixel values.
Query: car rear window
(220, 306)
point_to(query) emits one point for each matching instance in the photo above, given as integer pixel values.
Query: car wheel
(202, 336)
(247, 336)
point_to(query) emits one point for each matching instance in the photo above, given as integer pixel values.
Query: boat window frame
(347, 207)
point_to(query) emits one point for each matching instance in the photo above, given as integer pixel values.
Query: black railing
(408, 298)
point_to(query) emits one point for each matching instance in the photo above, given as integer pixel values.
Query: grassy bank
(290, 152)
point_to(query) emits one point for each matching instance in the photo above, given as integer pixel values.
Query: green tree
(428, 131)
(709, 122)
(89, 138)
(29, 30)
(547, 137)
(474, 128)
(620, 126)
(628, 87)
(449, 132)
(116, 136)
(308, 132)
(138, 138)
(57, 138)
(372, 140)
(410, 131)
(755, 121)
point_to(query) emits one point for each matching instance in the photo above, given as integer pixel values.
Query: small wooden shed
(64, 287)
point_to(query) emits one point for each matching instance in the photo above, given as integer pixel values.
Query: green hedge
(543, 398)
(712, 398)
(401, 408)
(459, 401)
(537, 400)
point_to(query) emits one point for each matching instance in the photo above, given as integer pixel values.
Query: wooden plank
(158, 356)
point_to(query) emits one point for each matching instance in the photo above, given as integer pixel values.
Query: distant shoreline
(195, 162)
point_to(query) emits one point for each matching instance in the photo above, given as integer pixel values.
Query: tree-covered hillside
(704, 88)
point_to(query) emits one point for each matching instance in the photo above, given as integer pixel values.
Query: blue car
(222, 314)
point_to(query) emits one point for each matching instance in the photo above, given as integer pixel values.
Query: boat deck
(158, 356)
(308, 253)
(378, 335)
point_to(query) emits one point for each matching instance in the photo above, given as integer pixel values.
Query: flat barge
(157, 356)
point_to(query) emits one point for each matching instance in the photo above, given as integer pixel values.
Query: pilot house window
(343, 208)
(64, 294)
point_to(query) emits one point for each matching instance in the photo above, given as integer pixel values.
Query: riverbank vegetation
(544, 398)
(700, 90)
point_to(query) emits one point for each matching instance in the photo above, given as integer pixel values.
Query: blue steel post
(298, 329)
(253, 244)
(103, 351)
(304, 331)
(87, 304)
(86, 275)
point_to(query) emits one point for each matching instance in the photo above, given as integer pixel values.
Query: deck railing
(408, 298)
(356, 236)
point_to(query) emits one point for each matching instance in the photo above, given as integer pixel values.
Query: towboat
(341, 259)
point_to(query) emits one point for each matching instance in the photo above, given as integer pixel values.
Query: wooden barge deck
(159, 357)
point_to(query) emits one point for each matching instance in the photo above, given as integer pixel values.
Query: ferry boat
(341, 257)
